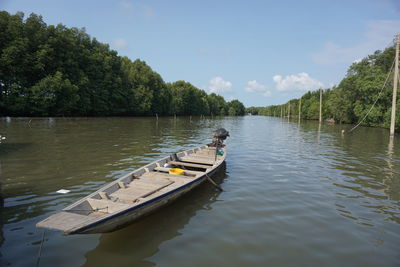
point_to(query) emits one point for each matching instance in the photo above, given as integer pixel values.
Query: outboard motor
(219, 136)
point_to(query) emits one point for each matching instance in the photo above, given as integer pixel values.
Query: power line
(379, 95)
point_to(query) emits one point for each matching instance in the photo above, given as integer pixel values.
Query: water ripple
(294, 194)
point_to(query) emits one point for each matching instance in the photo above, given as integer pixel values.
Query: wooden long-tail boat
(140, 192)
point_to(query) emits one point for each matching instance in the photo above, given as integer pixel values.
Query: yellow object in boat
(176, 171)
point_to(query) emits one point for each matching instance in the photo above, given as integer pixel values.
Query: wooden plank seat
(178, 179)
(166, 175)
(140, 188)
(143, 180)
(187, 172)
(187, 164)
(194, 159)
(201, 155)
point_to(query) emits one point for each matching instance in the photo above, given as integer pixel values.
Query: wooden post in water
(281, 111)
(320, 105)
(395, 82)
(174, 119)
(157, 116)
(300, 109)
(288, 115)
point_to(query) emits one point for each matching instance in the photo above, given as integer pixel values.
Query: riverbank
(357, 95)
(330, 121)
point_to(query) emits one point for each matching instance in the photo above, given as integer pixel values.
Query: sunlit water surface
(294, 194)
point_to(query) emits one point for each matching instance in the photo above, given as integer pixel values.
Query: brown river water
(294, 194)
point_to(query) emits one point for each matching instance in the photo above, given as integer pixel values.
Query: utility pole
(300, 109)
(320, 105)
(395, 82)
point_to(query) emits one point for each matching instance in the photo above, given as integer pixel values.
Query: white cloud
(255, 87)
(297, 82)
(379, 34)
(120, 44)
(219, 85)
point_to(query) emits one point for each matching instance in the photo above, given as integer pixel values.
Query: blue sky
(260, 52)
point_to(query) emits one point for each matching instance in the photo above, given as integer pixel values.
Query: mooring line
(214, 183)
(40, 249)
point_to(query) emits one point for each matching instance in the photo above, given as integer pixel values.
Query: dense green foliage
(350, 101)
(60, 71)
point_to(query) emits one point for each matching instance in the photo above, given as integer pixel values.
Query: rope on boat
(40, 249)
(214, 183)
(379, 95)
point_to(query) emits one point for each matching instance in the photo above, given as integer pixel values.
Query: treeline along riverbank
(350, 101)
(60, 71)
